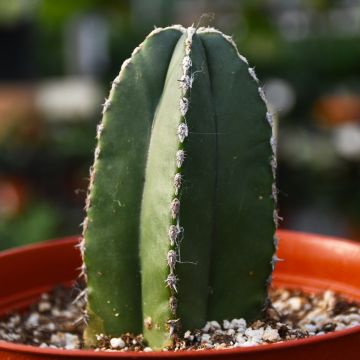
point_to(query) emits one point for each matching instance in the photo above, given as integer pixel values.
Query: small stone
(50, 327)
(295, 303)
(187, 334)
(310, 327)
(148, 349)
(240, 339)
(271, 334)
(255, 335)
(44, 306)
(99, 337)
(231, 332)
(215, 325)
(65, 340)
(205, 338)
(340, 326)
(239, 324)
(249, 343)
(117, 343)
(227, 324)
(33, 320)
(206, 328)
(71, 341)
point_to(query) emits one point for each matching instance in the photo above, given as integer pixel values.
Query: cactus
(181, 203)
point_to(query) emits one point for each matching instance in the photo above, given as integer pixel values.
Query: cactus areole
(181, 207)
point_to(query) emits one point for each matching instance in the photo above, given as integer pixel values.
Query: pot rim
(205, 353)
(296, 343)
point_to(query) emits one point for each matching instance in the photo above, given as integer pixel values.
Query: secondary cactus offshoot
(181, 207)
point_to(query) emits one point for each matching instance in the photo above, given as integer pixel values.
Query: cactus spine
(184, 177)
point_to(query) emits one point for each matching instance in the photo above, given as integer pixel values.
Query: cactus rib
(111, 228)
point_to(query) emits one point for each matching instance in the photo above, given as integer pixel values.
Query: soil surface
(56, 321)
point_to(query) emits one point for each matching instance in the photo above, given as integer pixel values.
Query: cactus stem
(175, 208)
(173, 326)
(183, 132)
(180, 157)
(186, 81)
(186, 63)
(173, 304)
(184, 105)
(99, 130)
(276, 259)
(83, 319)
(116, 82)
(82, 296)
(171, 260)
(97, 153)
(262, 94)
(171, 282)
(277, 217)
(106, 106)
(177, 182)
(82, 271)
(174, 231)
(269, 117)
(273, 144)
(81, 246)
(124, 65)
(85, 223)
(276, 242)
(253, 74)
(273, 164)
(275, 191)
(148, 323)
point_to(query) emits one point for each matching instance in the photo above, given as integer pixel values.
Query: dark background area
(59, 57)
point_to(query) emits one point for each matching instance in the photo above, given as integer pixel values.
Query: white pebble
(227, 324)
(33, 320)
(340, 326)
(215, 325)
(117, 343)
(239, 324)
(240, 339)
(271, 334)
(231, 332)
(187, 334)
(310, 327)
(99, 337)
(205, 338)
(71, 341)
(148, 349)
(295, 303)
(206, 328)
(249, 343)
(44, 306)
(255, 334)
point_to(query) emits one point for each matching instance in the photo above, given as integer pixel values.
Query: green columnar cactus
(181, 204)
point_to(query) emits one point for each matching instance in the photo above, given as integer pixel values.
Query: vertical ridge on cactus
(111, 229)
(181, 204)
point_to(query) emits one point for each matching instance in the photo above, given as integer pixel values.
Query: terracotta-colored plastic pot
(312, 263)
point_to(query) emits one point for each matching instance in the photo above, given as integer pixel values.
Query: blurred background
(58, 58)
